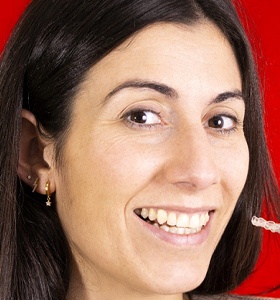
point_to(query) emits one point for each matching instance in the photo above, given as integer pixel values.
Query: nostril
(194, 174)
(198, 182)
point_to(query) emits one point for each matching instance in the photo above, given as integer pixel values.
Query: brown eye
(216, 122)
(144, 117)
(138, 117)
(222, 123)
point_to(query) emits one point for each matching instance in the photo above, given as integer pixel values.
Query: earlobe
(32, 167)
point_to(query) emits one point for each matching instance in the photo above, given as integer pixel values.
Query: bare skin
(157, 124)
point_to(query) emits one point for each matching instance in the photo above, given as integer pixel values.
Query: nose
(192, 163)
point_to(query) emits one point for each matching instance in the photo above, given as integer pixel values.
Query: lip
(177, 240)
(180, 209)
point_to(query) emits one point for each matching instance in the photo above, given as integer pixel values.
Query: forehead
(174, 54)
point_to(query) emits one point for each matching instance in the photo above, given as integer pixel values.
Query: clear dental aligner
(268, 225)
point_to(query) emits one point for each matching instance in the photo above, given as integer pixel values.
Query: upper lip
(180, 208)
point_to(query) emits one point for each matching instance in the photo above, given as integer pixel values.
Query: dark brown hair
(53, 46)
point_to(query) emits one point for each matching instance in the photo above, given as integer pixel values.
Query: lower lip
(179, 240)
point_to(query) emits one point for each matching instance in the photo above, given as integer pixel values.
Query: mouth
(174, 222)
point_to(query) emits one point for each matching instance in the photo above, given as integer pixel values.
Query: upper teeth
(181, 220)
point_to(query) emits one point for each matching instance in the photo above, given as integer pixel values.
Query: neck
(88, 285)
(79, 291)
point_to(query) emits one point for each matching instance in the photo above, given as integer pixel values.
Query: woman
(129, 162)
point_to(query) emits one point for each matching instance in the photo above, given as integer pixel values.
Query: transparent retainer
(268, 225)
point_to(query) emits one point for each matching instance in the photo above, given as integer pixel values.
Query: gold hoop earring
(48, 203)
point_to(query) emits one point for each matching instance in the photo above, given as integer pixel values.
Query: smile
(173, 222)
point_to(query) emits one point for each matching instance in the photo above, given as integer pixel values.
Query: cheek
(101, 178)
(127, 167)
(235, 165)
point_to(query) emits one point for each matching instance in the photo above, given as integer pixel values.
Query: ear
(35, 156)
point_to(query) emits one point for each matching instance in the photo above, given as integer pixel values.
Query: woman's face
(156, 130)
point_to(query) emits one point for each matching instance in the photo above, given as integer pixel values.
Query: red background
(262, 24)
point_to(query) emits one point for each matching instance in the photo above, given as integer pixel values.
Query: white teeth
(180, 230)
(193, 230)
(173, 229)
(188, 231)
(207, 217)
(194, 221)
(165, 228)
(152, 214)
(144, 213)
(175, 223)
(202, 219)
(183, 220)
(161, 216)
(172, 219)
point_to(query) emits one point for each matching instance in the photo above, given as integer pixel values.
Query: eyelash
(235, 120)
(135, 125)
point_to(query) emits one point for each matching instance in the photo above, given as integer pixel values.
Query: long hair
(51, 49)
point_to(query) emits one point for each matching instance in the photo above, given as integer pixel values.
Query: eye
(224, 123)
(143, 117)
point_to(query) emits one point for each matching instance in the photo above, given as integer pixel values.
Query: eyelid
(135, 110)
(148, 105)
(226, 112)
(237, 124)
(227, 115)
(144, 105)
(144, 126)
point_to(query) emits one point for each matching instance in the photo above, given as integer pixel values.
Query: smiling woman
(130, 168)
(175, 137)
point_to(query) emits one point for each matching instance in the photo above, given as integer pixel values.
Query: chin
(178, 281)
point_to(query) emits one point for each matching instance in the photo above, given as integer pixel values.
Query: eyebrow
(169, 91)
(139, 84)
(236, 94)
